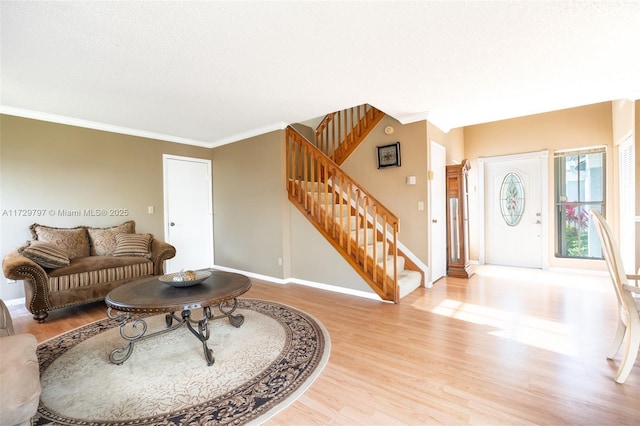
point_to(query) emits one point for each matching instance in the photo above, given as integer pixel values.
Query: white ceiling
(210, 73)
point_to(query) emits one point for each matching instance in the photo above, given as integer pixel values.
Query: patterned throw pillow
(44, 254)
(103, 240)
(73, 241)
(133, 245)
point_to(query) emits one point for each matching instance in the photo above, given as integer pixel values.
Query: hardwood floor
(508, 346)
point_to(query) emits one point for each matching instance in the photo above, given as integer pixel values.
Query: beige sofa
(19, 373)
(63, 267)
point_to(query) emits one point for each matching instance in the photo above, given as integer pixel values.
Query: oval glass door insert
(512, 198)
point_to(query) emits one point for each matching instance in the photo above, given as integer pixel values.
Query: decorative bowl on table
(185, 278)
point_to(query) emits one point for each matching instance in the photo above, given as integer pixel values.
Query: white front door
(188, 212)
(514, 210)
(438, 230)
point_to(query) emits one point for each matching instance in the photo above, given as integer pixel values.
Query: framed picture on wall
(389, 155)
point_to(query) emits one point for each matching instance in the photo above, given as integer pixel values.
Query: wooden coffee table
(151, 295)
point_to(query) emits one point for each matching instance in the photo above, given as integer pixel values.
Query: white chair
(628, 330)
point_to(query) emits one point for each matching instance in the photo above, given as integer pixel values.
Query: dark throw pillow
(45, 254)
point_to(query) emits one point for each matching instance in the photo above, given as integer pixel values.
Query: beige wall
(571, 128)
(251, 212)
(623, 119)
(255, 224)
(305, 131)
(52, 167)
(314, 259)
(453, 141)
(388, 184)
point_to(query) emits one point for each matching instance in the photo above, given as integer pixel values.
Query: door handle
(172, 224)
(434, 220)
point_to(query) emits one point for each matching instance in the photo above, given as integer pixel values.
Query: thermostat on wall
(388, 130)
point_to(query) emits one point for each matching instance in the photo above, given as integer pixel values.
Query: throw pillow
(103, 240)
(73, 241)
(133, 245)
(44, 254)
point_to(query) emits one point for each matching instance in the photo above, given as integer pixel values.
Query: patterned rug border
(306, 353)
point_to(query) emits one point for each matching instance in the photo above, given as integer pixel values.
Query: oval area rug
(259, 369)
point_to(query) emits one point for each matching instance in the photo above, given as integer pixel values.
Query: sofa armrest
(160, 251)
(6, 323)
(36, 279)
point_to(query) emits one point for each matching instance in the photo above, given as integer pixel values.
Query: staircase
(357, 225)
(340, 132)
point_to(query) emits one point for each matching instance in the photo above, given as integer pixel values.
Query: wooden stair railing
(359, 227)
(340, 132)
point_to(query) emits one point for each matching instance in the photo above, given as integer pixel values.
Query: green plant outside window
(579, 187)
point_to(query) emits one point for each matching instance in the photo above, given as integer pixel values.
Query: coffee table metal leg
(139, 327)
(202, 333)
(226, 310)
(120, 355)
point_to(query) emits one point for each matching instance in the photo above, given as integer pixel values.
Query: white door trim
(544, 194)
(627, 202)
(165, 158)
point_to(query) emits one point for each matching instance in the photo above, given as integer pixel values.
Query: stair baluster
(340, 132)
(330, 198)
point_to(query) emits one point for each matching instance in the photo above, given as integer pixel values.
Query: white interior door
(188, 212)
(438, 230)
(514, 211)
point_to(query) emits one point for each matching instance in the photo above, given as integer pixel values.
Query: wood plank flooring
(506, 347)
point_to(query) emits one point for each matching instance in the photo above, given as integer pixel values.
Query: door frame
(165, 190)
(543, 157)
(626, 213)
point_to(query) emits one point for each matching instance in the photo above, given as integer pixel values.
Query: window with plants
(579, 187)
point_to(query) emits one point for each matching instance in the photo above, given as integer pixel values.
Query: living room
(64, 168)
(125, 172)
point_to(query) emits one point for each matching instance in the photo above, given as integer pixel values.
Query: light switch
(150, 209)
(420, 205)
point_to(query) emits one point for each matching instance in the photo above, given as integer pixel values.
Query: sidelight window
(579, 187)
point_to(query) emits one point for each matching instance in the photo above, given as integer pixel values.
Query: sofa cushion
(133, 245)
(45, 254)
(103, 240)
(73, 241)
(90, 270)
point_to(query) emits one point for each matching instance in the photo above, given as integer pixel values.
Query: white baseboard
(14, 302)
(322, 286)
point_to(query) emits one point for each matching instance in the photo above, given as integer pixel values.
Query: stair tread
(408, 281)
